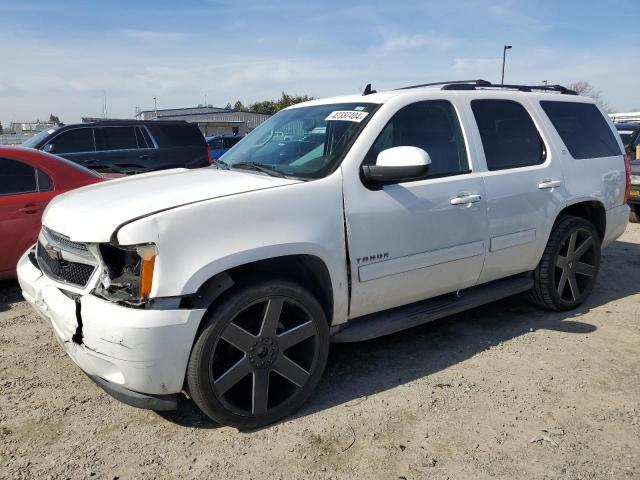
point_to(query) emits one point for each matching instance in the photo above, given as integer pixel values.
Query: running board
(396, 319)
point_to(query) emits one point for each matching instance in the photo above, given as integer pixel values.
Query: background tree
(54, 119)
(582, 87)
(0, 127)
(272, 106)
(228, 106)
(239, 106)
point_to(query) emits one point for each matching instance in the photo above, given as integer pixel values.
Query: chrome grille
(60, 269)
(64, 241)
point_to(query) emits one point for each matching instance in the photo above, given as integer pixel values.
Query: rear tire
(567, 272)
(260, 354)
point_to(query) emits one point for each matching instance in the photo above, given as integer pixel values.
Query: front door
(419, 239)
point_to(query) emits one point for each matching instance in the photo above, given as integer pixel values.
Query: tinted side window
(143, 138)
(74, 141)
(16, 177)
(432, 126)
(44, 182)
(177, 135)
(509, 137)
(582, 128)
(230, 142)
(119, 138)
(217, 144)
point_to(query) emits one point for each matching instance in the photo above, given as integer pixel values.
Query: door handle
(549, 184)
(465, 199)
(29, 209)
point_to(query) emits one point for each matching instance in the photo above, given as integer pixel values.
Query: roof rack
(484, 84)
(478, 82)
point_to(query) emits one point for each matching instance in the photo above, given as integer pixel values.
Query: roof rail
(482, 84)
(478, 82)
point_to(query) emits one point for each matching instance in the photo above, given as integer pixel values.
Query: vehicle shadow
(9, 294)
(358, 370)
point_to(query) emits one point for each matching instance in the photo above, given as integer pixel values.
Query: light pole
(504, 56)
(155, 107)
(545, 83)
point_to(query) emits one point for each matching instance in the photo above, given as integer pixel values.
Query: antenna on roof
(368, 90)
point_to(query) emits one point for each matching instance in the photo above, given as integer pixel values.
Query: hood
(93, 213)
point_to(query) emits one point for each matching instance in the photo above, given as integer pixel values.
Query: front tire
(567, 272)
(260, 354)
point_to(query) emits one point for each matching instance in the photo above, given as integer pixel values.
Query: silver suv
(341, 220)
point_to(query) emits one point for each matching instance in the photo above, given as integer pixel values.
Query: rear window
(229, 142)
(177, 135)
(583, 129)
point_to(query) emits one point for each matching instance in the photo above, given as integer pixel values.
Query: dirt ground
(503, 391)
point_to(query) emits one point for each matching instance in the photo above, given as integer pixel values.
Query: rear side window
(177, 135)
(509, 137)
(44, 182)
(229, 142)
(74, 141)
(583, 129)
(17, 177)
(432, 126)
(119, 138)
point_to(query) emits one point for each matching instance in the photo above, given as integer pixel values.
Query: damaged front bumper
(139, 356)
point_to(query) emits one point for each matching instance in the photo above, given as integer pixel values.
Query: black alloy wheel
(569, 266)
(576, 265)
(260, 355)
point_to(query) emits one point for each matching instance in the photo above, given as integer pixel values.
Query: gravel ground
(503, 391)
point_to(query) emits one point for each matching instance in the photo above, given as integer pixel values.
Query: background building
(211, 120)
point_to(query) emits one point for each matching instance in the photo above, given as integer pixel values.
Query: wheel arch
(307, 270)
(591, 210)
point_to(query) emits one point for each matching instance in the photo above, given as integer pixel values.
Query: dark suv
(630, 134)
(126, 146)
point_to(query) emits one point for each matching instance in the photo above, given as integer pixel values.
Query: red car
(29, 179)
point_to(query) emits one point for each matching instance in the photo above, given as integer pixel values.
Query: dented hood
(95, 212)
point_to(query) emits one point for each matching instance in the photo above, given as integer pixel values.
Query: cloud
(154, 36)
(406, 42)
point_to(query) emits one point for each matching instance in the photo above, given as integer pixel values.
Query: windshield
(304, 142)
(37, 138)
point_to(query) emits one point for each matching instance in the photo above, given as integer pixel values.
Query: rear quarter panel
(600, 179)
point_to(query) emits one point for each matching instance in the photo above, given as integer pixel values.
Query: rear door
(21, 207)
(125, 147)
(524, 185)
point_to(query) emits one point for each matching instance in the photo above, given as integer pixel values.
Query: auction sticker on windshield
(347, 115)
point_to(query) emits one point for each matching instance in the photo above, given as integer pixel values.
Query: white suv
(369, 214)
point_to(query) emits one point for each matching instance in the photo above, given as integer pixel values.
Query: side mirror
(398, 164)
(49, 148)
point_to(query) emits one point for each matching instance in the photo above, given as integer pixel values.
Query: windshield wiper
(260, 167)
(220, 164)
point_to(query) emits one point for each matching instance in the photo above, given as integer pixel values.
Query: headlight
(635, 179)
(128, 273)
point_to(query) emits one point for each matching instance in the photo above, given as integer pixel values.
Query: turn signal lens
(148, 257)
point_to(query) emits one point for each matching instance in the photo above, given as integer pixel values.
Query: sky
(62, 57)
